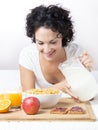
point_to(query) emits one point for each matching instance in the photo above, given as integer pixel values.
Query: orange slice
(5, 105)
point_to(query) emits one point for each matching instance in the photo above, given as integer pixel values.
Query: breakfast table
(11, 78)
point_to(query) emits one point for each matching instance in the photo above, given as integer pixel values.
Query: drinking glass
(15, 95)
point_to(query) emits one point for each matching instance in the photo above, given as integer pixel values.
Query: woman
(51, 31)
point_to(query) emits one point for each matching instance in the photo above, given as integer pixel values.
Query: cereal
(43, 91)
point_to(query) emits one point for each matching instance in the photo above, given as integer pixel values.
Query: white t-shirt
(29, 58)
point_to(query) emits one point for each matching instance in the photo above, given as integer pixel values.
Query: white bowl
(46, 100)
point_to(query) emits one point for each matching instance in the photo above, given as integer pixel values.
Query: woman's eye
(53, 42)
(40, 43)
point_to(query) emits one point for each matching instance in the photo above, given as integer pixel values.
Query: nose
(46, 48)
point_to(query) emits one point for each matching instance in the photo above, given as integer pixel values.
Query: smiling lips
(49, 54)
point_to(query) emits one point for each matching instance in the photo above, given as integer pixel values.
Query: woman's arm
(27, 78)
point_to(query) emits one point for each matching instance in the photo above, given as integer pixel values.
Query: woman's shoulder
(29, 48)
(29, 51)
(28, 56)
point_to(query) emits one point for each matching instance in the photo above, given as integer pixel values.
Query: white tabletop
(10, 78)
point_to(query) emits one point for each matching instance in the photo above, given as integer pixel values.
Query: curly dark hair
(53, 17)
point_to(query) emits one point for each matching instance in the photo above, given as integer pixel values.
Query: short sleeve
(27, 58)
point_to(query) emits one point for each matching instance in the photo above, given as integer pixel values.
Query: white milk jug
(83, 83)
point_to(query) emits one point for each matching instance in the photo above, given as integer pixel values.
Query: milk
(81, 80)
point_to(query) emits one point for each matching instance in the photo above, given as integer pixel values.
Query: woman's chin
(49, 59)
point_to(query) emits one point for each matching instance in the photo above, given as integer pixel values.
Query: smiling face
(49, 43)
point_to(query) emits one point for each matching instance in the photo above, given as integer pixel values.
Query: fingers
(71, 94)
(68, 86)
(86, 60)
(67, 90)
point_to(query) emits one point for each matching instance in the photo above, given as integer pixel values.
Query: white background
(12, 27)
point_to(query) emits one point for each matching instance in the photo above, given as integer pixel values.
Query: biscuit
(76, 110)
(59, 110)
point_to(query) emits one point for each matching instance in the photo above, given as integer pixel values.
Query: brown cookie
(76, 110)
(59, 110)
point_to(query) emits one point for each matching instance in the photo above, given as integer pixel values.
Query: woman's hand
(65, 87)
(86, 60)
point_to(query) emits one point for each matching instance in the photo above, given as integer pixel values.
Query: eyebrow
(50, 40)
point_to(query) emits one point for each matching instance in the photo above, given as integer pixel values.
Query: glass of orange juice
(15, 95)
(1, 96)
(2, 93)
